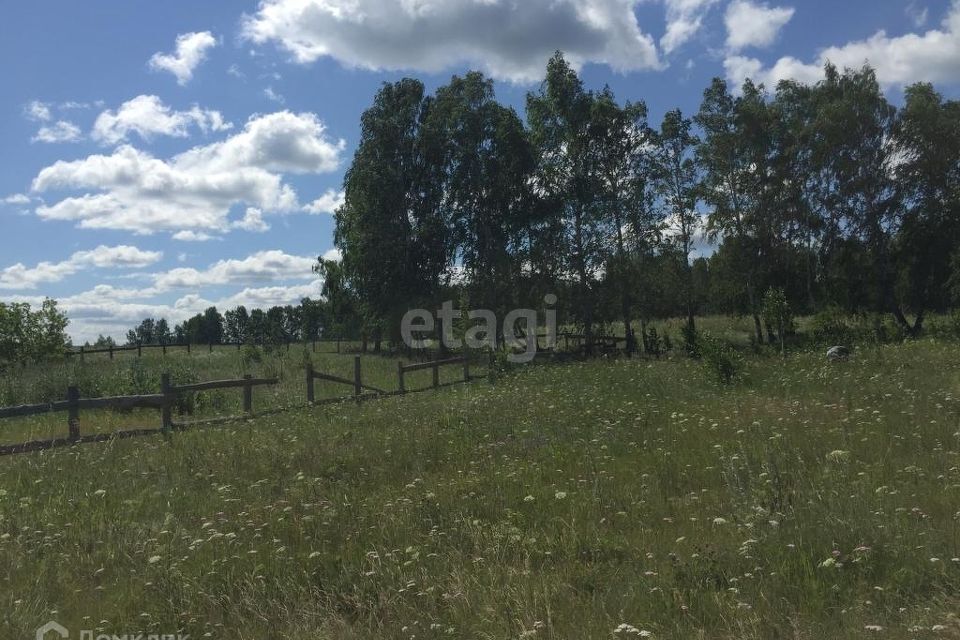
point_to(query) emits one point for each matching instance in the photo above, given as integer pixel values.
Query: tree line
(276, 325)
(827, 195)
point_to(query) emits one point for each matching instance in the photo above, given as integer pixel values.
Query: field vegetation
(583, 499)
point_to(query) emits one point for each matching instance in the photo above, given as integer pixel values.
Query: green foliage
(27, 335)
(719, 358)
(832, 326)
(654, 344)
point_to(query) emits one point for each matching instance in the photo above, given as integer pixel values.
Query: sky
(157, 158)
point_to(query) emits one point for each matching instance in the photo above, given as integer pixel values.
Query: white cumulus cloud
(191, 49)
(751, 24)
(684, 20)
(59, 131)
(37, 111)
(933, 56)
(508, 39)
(259, 268)
(19, 276)
(148, 116)
(131, 190)
(328, 203)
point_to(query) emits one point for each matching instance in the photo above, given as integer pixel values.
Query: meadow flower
(154, 559)
(838, 456)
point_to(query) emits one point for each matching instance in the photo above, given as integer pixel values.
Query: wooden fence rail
(435, 365)
(164, 401)
(85, 351)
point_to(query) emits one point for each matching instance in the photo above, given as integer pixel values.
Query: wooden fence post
(310, 390)
(492, 367)
(314, 346)
(73, 415)
(111, 351)
(139, 349)
(81, 353)
(436, 375)
(402, 387)
(188, 347)
(248, 395)
(164, 348)
(166, 419)
(211, 348)
(466, 367)
(239, 344)
(357, 388)
(338, 345)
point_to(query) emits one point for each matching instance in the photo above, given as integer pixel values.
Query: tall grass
(598, 499)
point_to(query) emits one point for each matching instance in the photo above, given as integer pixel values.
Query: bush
(719, 358)
(832, 326)
(653, 344)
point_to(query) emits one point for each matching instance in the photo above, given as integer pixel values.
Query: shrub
(719, 358)
(653, 344)
(832, 326)
(777, 313)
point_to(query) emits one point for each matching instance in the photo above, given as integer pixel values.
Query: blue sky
(156, 158)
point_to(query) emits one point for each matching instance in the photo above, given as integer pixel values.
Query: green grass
(98, 376)
(808, 500)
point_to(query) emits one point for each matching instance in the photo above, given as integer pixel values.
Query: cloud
(259, 268)
(752, 24)
(20, 276)
(191, 50)
(933, 56)
(132, 190)
(273, 96)
(508, 39)
(147, 116)
(60, 131)
(328, 203)
(264, 279)
(192, 236)
(918, 15)
(252, 221)
(16, 198)
(684, 20)
(333, 254)
(37, 111)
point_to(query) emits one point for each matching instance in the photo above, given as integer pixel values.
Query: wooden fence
(166, 400)
(82, 352)
(163, 401)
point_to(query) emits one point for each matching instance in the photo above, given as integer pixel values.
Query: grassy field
(98, 376)
(601, 499)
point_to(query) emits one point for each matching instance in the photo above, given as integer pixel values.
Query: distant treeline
(826, 194)
(277, 325)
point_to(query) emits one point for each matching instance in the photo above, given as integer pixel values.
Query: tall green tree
(620, 139)
(679, 185)
(927, 169)
(391, 230)
(567, 180)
